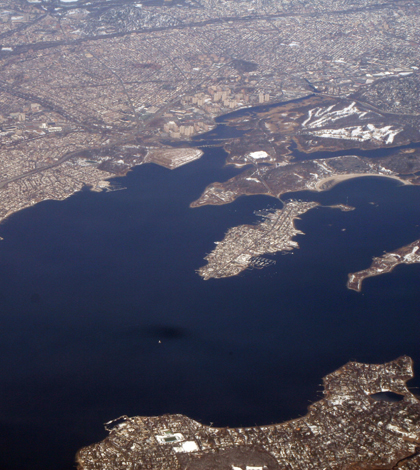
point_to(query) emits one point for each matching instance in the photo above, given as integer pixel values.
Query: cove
(102, 313)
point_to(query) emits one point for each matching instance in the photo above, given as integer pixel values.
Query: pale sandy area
(339, 178)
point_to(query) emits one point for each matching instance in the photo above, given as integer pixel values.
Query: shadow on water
(103, 313)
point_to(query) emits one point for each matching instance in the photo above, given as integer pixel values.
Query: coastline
(332, 181)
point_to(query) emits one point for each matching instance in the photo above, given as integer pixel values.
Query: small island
(352, 427)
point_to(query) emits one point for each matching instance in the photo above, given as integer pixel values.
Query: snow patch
(187, 446)
(258, 155)
(319, 117)
(384, 134)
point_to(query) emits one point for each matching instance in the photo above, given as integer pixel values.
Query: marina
(104, 317)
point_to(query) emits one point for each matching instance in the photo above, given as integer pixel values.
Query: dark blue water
(102, 313)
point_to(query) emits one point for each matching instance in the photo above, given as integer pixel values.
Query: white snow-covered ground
(320, 117)
(412, 257)
(364, 133)
(258, 155)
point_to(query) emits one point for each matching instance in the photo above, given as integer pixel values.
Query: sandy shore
(335, 179)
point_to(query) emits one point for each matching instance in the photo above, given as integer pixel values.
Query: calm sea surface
(102, 313)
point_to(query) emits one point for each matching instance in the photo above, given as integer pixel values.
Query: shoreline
(332, 181)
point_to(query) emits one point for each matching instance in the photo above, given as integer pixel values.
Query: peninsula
(408, 254)
(242, 246)
(351, 427)
(89, 90)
